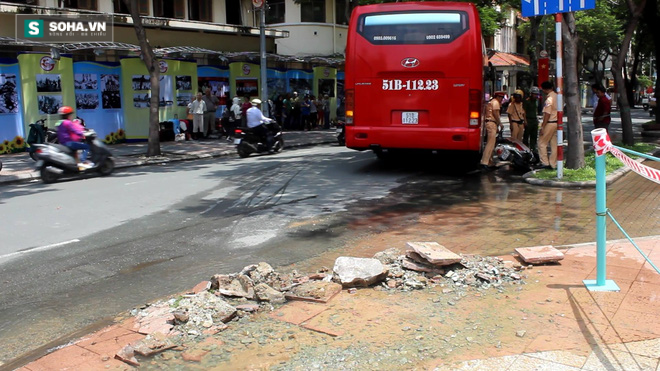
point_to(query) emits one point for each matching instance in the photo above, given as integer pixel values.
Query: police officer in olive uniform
(492, 123)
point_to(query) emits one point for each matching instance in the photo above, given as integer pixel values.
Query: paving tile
(642, 298)
(108, 333)
(607, 359)
(608, 302)
(540, 254)
(112, 346)
(526, 363)
(488, 364)
(649, 274)
(562, 357)
(648, 348)
(67, 358)
(434, 253)
(297, 312)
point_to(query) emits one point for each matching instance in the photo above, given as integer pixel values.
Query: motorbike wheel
(107, 167)
(0, 165)
(341, 140)
(279, 145)
(33, 155)
(242, 150)
(48, 176)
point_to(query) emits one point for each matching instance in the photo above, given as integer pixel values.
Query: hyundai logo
(410, 62)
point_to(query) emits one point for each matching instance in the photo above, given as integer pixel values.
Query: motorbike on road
(248, 142)
(515, 152)
(56, 160)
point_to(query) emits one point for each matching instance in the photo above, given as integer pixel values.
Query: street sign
(532, 8)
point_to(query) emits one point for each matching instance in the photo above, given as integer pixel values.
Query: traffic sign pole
(560, 96)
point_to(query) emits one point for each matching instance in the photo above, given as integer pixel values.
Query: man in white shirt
(197, 108)
(256, 121)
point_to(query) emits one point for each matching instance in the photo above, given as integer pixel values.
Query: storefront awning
(501, 59)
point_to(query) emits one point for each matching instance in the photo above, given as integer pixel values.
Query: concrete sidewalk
(20, 167)
(550, 323)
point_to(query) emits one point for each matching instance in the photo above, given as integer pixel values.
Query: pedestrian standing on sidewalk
(516, 114)
(548, 129)
(530, 105)
(295, 111)
(493, 122)
(304, 113)
(244, 107)
(313, 111)
(326, 111)
(603, 110)
(211, 102)
(197, 108)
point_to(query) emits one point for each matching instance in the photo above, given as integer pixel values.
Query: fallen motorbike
(516, 152)
(56, 160)
(248, 142)
(341, 133)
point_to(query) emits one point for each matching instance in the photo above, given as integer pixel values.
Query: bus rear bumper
(366, 137)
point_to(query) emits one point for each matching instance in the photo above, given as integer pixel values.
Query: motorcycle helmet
(518, 94)
(65, 110)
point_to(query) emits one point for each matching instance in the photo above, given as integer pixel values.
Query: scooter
(56, 160)
(516, 152)
(341, 133)
(248, 142)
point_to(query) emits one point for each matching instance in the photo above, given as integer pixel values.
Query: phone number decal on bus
(410, 84)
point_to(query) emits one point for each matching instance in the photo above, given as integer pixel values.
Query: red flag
(544, 70)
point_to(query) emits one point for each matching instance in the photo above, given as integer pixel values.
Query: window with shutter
(143, 7)
(312, 11)
(169, 8)
(200, 10)
(81, 4)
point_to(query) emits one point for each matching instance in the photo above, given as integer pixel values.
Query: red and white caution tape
(603, 144)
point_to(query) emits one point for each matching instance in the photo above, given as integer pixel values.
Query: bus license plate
(410, 118)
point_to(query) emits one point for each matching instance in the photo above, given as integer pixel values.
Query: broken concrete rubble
(434, 253)
(359, 271)
(539, 254)
(264, 292)
(189, 318)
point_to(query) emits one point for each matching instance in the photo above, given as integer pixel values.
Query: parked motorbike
(56, 160)
(248, 142)
(516, 152)
(39, 134)
(341, 133)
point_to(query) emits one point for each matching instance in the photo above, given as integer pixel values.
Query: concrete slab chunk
(539, 254)
(434, 253)
(359, 271)
(314, 291)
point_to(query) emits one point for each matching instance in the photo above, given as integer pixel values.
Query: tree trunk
(149, 59)
(653, 22)
(575, 150)
(617, 70)
(534, 48)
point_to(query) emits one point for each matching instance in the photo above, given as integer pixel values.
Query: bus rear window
(412, 27)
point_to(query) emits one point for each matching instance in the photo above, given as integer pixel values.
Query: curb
(9, 179)
(611, 178)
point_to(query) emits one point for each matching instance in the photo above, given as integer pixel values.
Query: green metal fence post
(601, 284)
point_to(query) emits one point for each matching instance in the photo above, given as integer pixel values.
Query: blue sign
(532, 8)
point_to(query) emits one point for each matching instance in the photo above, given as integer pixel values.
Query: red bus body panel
(443, 113)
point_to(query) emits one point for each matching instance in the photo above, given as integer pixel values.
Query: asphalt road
(78, 252)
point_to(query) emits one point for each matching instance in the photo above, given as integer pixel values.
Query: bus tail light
(349, 104)
(475, 107)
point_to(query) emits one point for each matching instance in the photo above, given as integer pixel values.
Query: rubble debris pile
(208, 308)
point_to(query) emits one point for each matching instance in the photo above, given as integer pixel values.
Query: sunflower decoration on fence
(16, 145)
(115, 137)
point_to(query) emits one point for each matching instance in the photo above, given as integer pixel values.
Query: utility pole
(260, 5)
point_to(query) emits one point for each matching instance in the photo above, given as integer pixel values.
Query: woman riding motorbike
(70, 134)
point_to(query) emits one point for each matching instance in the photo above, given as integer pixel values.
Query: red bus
(415, 78)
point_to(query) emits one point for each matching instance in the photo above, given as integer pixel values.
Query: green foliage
(600, 31)
(588, 172)
(644, 81)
